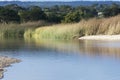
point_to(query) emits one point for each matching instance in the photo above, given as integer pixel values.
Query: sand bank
(6, 62)
(101, 37)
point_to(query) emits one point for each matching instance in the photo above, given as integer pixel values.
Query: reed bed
(44, 30)
(104, 26)
(14, 30)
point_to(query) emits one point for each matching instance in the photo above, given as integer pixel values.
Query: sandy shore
(6, 62)
(101, 37)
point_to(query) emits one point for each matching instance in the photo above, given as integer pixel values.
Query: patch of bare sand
(101, 37)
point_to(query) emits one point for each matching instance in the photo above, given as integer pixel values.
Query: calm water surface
(62, 60)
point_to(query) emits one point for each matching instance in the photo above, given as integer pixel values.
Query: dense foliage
(56, 14)
(7, 15)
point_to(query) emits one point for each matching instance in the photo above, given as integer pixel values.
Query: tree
(53, 17)
(7, 15)
(36, 14)
(87, 12)
(115, 9)
(111, 10)
(32, 14)
(65, 8)
(14, 7)
(24, 16)
(72, 17)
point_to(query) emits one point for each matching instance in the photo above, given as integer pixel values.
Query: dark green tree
(14, 7)
(54, 17)
(111, 10)
(36, 14)
(87, 12)
(32, 14)
(72, 17)
(7, 16)
(24, 16)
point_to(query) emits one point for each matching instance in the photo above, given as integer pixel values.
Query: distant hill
(49, 4)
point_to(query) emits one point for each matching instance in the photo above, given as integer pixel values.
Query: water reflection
(11, 44)
(82, 47)
(62, 60)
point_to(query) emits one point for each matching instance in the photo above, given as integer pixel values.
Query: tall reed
(104, 26)
(14, 30)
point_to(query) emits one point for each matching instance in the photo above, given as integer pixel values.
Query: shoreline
(6, 62)
(100, 37)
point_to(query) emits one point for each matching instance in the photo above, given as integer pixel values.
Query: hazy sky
(59, 0)
(39, 0)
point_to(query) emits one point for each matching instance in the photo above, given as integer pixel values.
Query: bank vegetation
(104, 26)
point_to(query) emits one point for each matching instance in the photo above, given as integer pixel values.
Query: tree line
(56, 14)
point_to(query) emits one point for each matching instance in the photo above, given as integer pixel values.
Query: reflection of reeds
(5, 62)
(17, 30)
(57, 45)
(92, 49)
(69, 31)
(88, 48)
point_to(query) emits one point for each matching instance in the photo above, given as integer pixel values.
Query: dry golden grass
(104, 26)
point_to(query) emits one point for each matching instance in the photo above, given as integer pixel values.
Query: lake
(62, 60)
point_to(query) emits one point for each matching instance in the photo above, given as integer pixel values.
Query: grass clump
(56, 32)
(15, 30)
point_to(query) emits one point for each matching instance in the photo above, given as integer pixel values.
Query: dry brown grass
(104, 26)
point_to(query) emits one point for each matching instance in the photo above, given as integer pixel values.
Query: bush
(72, 17)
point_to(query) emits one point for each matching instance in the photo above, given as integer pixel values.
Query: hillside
(45, 4)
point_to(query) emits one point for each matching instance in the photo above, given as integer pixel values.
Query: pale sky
(39, 0)
(59, 0)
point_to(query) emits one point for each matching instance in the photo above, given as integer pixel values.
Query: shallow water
(62, 60)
